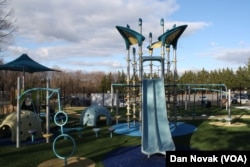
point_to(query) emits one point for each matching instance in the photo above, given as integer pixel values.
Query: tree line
(79, 82)
(234, 80)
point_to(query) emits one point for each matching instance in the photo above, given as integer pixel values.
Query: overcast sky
(81, 35)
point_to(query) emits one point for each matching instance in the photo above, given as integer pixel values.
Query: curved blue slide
(156, 134)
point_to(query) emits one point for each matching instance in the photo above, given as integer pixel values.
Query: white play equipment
(91, 114)
(28, 121)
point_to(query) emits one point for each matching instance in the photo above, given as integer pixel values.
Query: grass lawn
(211, 137)
(206, 137)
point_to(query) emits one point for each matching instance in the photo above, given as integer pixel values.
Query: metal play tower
(168, 39)
(152, 114)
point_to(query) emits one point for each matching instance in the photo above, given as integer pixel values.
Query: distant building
(103, 99)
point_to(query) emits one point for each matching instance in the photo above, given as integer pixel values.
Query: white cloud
(192, 26)
(233, 55)
(79, 20)
(69, 32)
(213, 44)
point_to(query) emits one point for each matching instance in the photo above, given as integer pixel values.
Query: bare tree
(7, 27)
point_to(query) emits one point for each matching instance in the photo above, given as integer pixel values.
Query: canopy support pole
(47, 110)
(18, 115)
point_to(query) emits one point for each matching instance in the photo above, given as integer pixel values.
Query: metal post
(128, 88)
(112, 98)
(185, 98)
(175, 66)
(140, 70)
(47, 110)
(175, 82)
(229, 105)
(163, 44)
(134, 66)
(18, 114)
(140, 52)
(150, 53)
(133, 81)
(23, 81)
(162, 24)
(189, 98)
(168, 76)
(117, 105)
(128, 66)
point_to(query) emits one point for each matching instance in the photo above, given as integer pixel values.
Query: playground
(156, 118)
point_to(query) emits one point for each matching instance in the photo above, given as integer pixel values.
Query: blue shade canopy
(171, 37)
(131, 37)
(25, 64)
(154, 45)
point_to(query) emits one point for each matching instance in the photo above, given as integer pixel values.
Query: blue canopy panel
(171, 37)
(26, 64)
(131, 37)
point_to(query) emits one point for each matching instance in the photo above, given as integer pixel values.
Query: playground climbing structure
(152, 107)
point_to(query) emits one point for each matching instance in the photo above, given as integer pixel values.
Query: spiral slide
(156, 134)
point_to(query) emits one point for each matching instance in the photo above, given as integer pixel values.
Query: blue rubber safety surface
(181, 128)
(133, 129)
(132, 156)
(177, 129)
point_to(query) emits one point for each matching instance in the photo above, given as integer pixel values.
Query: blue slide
(156, 134)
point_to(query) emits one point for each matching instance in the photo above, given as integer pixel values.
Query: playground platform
(181, 128)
